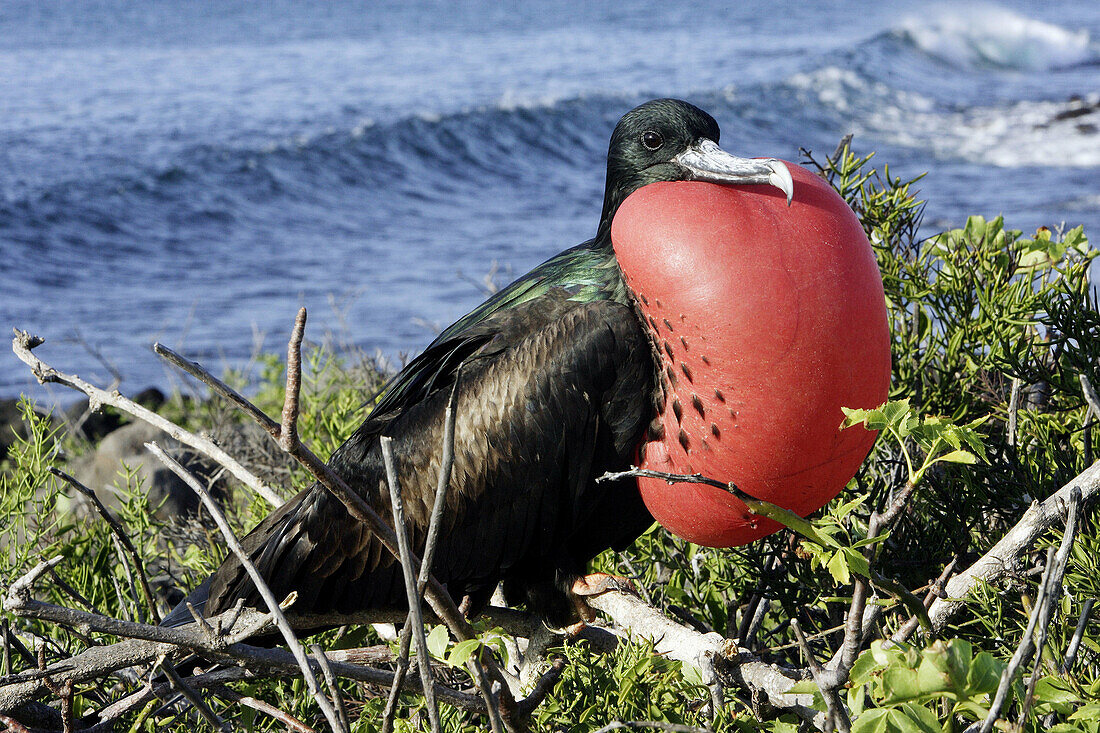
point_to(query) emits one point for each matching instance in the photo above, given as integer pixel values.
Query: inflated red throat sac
(767, 319)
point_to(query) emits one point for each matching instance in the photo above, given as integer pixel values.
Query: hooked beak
(705, 161)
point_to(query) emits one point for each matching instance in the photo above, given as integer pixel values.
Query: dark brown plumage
(547, 404)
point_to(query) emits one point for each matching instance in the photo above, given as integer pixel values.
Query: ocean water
(194, 172)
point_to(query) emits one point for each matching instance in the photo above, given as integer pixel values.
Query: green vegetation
(993, 332)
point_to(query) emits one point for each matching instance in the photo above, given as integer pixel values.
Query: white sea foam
(988, 35)
(1021, 133)
(1018, 134)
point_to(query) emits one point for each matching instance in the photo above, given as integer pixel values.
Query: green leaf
(885, 657)
(958, 658)
(899, 684)
(838, 568)
(1056, 693)
(692, 674)
(437, 641)
(856, 562)
(932, 675)
(462, 652)
(803, 687)
(959, 456)
(913, 718)
(866, 665)
(1088, 712)
(984, 674)
(872, 721)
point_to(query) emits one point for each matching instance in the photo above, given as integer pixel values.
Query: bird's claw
(593, 585)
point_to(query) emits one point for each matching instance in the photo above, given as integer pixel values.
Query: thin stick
(1013, 410)
(837, 715)
(1078, 634)
(1091, 397)
(760, 507)
(1050, 588)
(260, 706)
(675, 478)
(23, 343)
(192, 697)
(651, 724)
(288, 429)
(120, 535)
(1019, 658)
(1061, 560)
(330, 680)
(434, 524)
(199, 373)
(261, 586)
(423, 663)
(5, 669)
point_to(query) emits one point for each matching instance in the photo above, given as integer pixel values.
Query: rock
(92, 426)
(124, 450)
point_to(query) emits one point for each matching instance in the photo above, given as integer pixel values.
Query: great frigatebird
(558, 386)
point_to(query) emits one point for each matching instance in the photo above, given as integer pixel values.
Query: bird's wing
(561, 395)
(586, 272)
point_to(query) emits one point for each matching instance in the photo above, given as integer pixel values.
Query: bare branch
(1013, 410)
(651, 725)
(218, 386)
(330, 680)
(1005, 557)
(192, 697)
(838, 716)
(288, 430)
(1078, 634)
(446, 465)
(423, 663)
(260, 706)
(19, 591)
(1050, 588)
(22, 345)
(261, 586)
(1090, 395)
(120, 536)
(1020, 657)
(710, 653)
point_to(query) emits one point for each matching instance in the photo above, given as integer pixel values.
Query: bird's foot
(593, 585)
(597, 583)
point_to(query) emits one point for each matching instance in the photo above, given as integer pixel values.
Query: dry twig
(430, 543)
(120, 536)
(23, 345)
(261, 586)
(423, 663)
(1006, 556)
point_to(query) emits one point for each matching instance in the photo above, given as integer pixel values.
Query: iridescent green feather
(588, 272)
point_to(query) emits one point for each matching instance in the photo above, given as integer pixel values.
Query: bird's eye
(652, 140)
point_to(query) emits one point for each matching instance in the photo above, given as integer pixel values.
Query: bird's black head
(671, 140)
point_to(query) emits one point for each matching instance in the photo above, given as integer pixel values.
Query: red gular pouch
(767, 319)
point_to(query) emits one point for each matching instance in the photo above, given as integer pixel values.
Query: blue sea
(194, 172)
